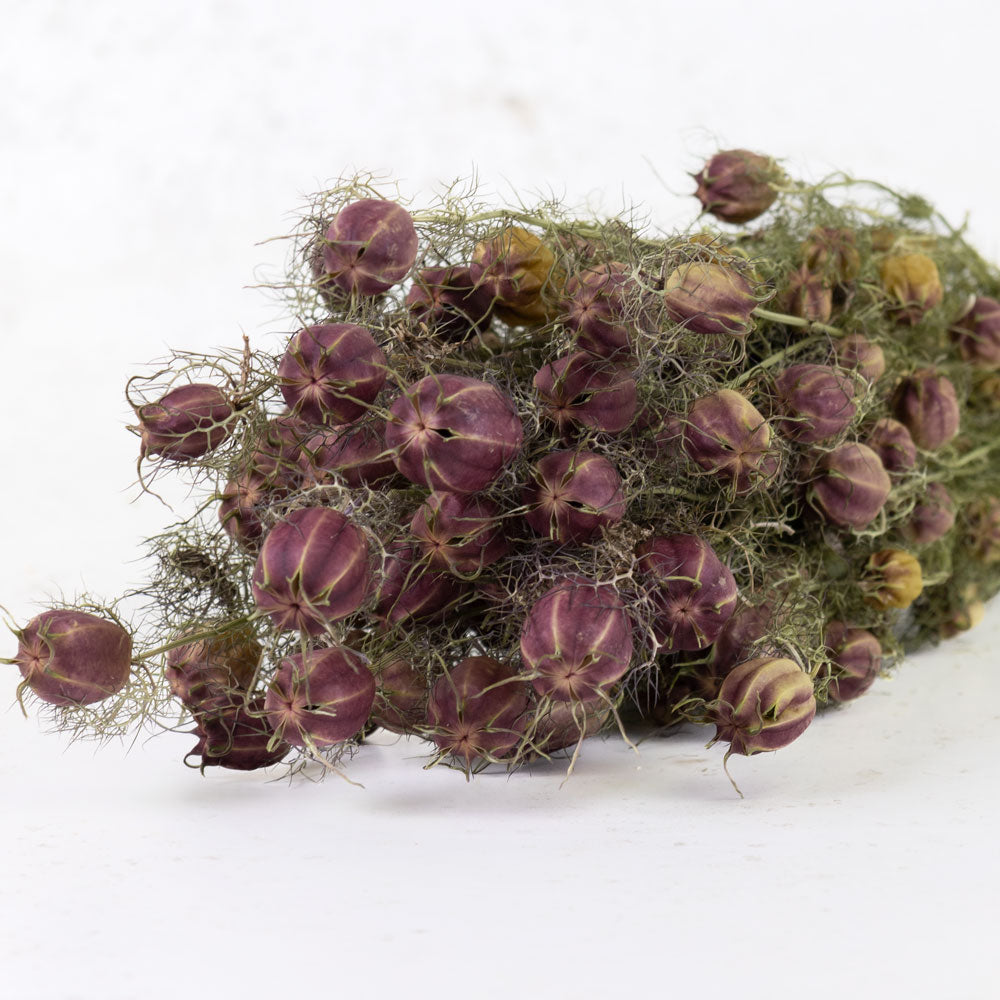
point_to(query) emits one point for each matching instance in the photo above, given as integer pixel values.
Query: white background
(145, 152)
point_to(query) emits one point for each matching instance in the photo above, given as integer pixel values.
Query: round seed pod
(313, 569)
(330, 373)
(477, 710)
(578, 389)
(932, 518)
(913, 285)
(564, 724)
(808, 295)
(693, 592)
(736, 185)
(982, 519)
(709, 299)
(459, 533)
(370, 246)
(236, 736)
(893, 579)
(242, 501)
(70, 657)
(277, 449)
(976, 333)
(410, 589)
(595, 308)
(726, 435)
(833, 253)
(186, 423)
(221, 664)
(449, 302)
(356, 453)
(576, 640)
(401, 698)
(740, 636)
(856, 656)
(858, 353)
(450, 432)
(927, 403)
(763, 704)
(816, 401)
(518, 272)
(321, 698)
(852, 486)
(572, 496)
(893, 444)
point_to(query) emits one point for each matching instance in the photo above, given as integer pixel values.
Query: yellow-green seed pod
(893, 579)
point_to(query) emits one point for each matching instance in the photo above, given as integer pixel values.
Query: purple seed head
(576, 640)
(891, 441)
(927, 403)
(740, 636)
(72, 657)
(411, 589)
(477, 710)
(313, 569)
(573, 494)
(763, 704)
(448, 301)
(564, 724)
(370, 246)
(816, 400)
(736, 185)
(580, 389)
(728, 437)
(858, 353)
(355, 452)
(331, 373)
(186, 423)
(206, 668)
(693, 593)
(595, 307)
(243, 499)
(401, 697)
(320, 698)
(856, 656)
(236, 736)
(932, 518)
(852, 486)
(459, 533)
(709, 299)
(976, 333)
(450, 432)
(808, 295)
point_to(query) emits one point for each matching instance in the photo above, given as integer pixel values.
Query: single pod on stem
(449, 302)
(459, 533)
(808, 296)
(926, 402)
(856, 656)
(186, 423)
(709, 299)
(736, 185)
(519, 274)
(857, 353)
(580, 389)
(817, 401)
(892, 579)
(596, 307)
(932, 518)
(894, 445)
(236, 735)
(913, 285)
(852, 486)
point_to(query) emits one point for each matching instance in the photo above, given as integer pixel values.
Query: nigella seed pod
(596, 306)
(236, 736)
(411, 589)
(817, 401)
(356, 453)
(726, 435)
(739, 637)
(692, 592)
(313, 569)
(401, 697)
(477, 710)
(223, 663)
(894, 445)
(982, 518)
(330, 373)
(852, 486)
(709, 299)
(370, 246)
(576, 640)
(893, 579)
(858, 353)
(459, 533)
(321, 698)
(913, 285)
(833, 253)
(573, 494)
(856, 656)
(808, 295)
(927, 403)
(519, 274)
(578, 389)
(277, 449)
(450, 432)
(70, 657)
(736, 185)
(242, 501)
(448, 301)
(932, 518)
(186, 423)
(976, 333)
(564, 724)
(763, 704)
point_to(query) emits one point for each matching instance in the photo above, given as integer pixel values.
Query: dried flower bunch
(517, 477)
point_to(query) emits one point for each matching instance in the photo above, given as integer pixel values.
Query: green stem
(776, 317)
(774, 359)
(190, 637)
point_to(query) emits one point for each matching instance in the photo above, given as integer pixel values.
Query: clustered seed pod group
(516, 478)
